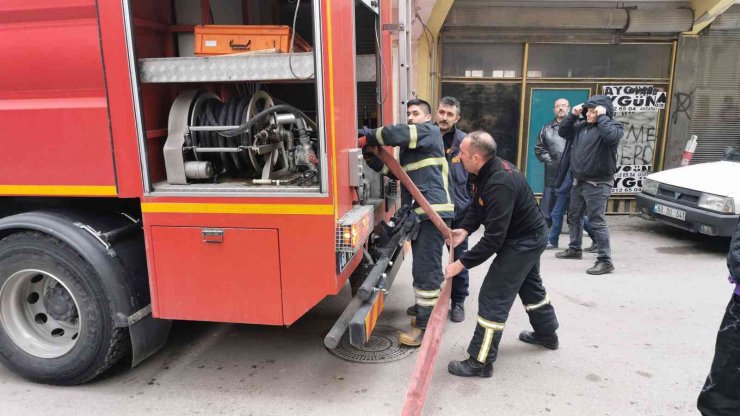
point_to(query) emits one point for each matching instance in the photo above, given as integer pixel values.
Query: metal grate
(679, 195)
(358, 222)
(256, 67)
(383, 347)
(392, 190)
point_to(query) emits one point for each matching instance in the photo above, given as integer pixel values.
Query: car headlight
(650, 186)
(717, 203)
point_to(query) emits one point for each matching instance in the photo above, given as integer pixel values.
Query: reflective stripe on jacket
(422, 157)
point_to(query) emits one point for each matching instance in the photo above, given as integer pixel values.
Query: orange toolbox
(228, 39)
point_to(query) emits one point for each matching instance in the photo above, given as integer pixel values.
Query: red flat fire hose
(429, 349)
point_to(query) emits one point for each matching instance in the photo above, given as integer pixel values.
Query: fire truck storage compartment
(190, 106)
(217, 274)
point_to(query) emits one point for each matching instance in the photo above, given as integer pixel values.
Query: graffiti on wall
(638, 143)
(682, 105)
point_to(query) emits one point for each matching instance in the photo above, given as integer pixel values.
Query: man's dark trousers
(591, 200)
(721, 393)
(515, 270)
(562, 201)
(460, 282)
(426, 269)
(547, 203)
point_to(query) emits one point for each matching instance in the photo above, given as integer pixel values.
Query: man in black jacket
(548, 150)
(721, 392)
(593, 163)
(448, 114)
(516, 232)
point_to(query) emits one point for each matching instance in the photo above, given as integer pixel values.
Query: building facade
(508, 62)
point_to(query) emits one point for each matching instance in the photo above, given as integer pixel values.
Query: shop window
(482, 60)
(599, 61)
(491, 107)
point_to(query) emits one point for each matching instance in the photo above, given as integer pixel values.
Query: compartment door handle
(240, 46)
(212, 235)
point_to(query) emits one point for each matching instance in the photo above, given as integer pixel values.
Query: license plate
(670, 212)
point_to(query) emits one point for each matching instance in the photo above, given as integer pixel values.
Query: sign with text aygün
(629, 178)
(638, 98)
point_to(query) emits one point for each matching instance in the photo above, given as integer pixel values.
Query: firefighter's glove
(411, 226)
(363, 131)
(368, 152)
(399, 218)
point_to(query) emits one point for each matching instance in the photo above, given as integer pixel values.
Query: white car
(702, 198)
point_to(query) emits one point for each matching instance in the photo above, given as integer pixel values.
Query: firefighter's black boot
(470, 368)
(411, 311)
(457, 312)
(530, 337)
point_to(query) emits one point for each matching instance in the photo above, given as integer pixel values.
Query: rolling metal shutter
(716, 102)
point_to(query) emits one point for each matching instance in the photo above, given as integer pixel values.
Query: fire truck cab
(188, 160)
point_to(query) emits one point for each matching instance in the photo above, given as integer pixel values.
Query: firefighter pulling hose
(421, 147)
(515, 230)
(422, 375)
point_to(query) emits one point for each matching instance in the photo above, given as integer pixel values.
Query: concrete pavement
(638, 341)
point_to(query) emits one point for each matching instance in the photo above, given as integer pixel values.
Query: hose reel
(244, 138)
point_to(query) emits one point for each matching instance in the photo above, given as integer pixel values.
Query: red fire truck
(144, 179)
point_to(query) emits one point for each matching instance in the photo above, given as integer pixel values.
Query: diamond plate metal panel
(256, 67)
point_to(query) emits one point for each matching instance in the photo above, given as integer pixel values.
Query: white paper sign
(629, 178)
(639, 98)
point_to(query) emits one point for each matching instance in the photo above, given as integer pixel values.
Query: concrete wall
(687, 65)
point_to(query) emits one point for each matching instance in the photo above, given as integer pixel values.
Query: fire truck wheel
(55, 317)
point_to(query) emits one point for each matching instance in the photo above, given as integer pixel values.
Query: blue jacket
(458, 174)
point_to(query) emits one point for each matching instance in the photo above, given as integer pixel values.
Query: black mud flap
(148, 334)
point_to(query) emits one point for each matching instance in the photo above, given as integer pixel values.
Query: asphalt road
(635, 342)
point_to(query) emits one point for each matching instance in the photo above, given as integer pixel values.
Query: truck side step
(366, 318)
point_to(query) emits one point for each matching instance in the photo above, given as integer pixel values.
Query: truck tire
(56, 324)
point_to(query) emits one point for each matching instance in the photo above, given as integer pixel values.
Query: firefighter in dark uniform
(448, 114)
(422, 157)
(516, 232)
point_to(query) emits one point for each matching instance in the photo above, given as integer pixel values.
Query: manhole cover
(383, 347)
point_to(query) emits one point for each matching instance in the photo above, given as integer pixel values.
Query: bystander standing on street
(721, 393)
(594, 137)
(549, 149)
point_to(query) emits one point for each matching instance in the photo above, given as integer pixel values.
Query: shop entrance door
(540, 113)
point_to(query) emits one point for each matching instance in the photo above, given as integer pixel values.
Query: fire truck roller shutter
(74, 295)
